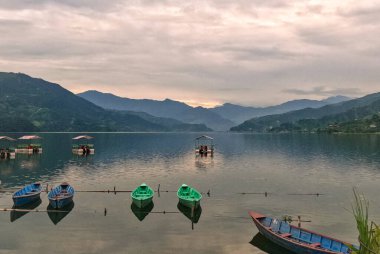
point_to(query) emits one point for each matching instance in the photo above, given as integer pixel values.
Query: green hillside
(30, 104)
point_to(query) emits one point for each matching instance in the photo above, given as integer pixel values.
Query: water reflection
(194, 218)
(203, 163)
(141, 213)
(56, 215)
(267, 246)
(15, 215)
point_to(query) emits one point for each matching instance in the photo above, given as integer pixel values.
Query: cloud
(218, 50)
(324, 91)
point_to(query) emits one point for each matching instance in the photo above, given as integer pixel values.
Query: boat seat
(285, 235)
(315, 245)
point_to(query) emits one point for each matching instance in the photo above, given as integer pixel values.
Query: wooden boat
(59, 214)
(15, 215)
(141, 213)
(142, 195)
(61, 196)
(295, 239)
(28, 194)
(188, 196)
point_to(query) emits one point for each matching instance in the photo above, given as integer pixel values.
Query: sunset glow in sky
(247, 52)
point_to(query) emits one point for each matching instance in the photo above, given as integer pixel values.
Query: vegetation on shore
(369, 232)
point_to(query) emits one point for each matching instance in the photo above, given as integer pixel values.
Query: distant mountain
(31, 104)
(239, 114)
(167, 108)
(309, 118)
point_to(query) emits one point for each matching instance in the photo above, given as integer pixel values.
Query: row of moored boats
(62, 195)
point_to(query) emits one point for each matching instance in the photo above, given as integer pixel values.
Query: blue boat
(28, 194)
(297, 240)
(61, 196)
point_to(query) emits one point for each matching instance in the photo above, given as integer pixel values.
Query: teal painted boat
(188, 196)
(142, 195)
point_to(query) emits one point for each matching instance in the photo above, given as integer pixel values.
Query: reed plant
(369, 232)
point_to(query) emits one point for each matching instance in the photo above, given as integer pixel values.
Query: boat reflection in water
(141, 213)
(260, 242)
(194, 218)
(56, 215)
(18, 214)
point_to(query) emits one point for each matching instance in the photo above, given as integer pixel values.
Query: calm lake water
(278, 164)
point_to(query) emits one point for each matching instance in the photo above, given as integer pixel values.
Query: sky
(248, 52)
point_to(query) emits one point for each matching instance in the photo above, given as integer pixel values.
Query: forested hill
(31, 104)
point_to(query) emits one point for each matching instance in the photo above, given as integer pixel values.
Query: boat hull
(141, 203)
(80, 151)
(287, 245)
(189, 203)
(28, 150)
(60, 203)
(24, 200)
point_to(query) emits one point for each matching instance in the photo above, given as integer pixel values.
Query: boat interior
(29, 189)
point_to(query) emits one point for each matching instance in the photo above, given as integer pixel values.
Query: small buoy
(105, 211)
(208, 193)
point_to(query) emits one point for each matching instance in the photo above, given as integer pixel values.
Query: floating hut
(30, 147)
(83, 148)
(204, 145)
(6, 151)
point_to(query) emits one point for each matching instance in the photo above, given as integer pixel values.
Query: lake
(283, 165)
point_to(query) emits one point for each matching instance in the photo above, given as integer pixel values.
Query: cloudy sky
(250, 52)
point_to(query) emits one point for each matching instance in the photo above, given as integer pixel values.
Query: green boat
(188, 196)
(142, 195)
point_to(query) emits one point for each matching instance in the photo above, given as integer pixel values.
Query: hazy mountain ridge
(32, 104)
(166, 108)
(220, 118)
(320, 118)
(239, 114)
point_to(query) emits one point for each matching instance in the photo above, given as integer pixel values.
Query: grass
(369, 232)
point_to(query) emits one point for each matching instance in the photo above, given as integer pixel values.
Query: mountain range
(311, 119)
(31, 104)
(220, 118)
(239, 114)
(167, 108)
